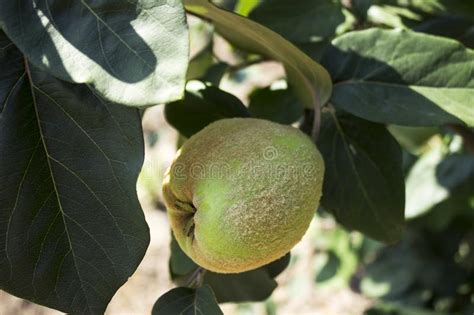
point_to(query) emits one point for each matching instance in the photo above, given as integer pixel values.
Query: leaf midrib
(54, 183)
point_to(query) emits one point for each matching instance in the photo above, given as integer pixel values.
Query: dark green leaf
(201, 107)
(459, 7)
(71, 228)
(180, 264)
(278, 266)
(254, 285)
(310, 81)
(11, 61)
(132, 52)
(303, 21)
(215, 73)
(199, 64)
(385, 278)
(402, 77)
(363, 184)
(360, 8)
(186, 301)
(396, 309)
(314, 50)
(250, 286)
(435, 177)
(330, 269)
(457, 28)
(280, 106)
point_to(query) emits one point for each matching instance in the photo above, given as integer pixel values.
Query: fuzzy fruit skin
(242, 192)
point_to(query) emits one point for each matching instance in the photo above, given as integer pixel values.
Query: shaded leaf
(199, 64)
(184, 301)
(385, 278)
(250, 286)
(202, 106)
(310, 81)
(132, 52)
(330, 268)
(71, 228)
(254, 285)
(296, 20)
(11, 61)
(363, 184)
(460, 29)
(180, 264)
(280, 106)
(457, 7)
(401, 77)
(435, 177)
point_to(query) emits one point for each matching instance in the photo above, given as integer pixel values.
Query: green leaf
(254, 285)
(412, 139)
(244, 7)
(402, 78)
(310, 80)
(12, 64)
(202, 105)
(279, 106)
(460, 29)
(459, 7)
(180, 264)
(186, 301)
(199, 64)
(296, 21)
(385, 278)
(132, 52)
(330, 268)
(71, 228)
(363, 184)
(250, 286)
(435, 177)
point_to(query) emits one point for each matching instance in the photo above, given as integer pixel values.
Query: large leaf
(71, 228)
(280, 106)
(254, 285)
(202, 105)
(457, 28)
(363, 184)
(310, 81)
(132, 52)
(301, 21)
(403, 78)
(435, 177)
(186, 301)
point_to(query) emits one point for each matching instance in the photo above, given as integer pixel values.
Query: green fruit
(242, 192)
